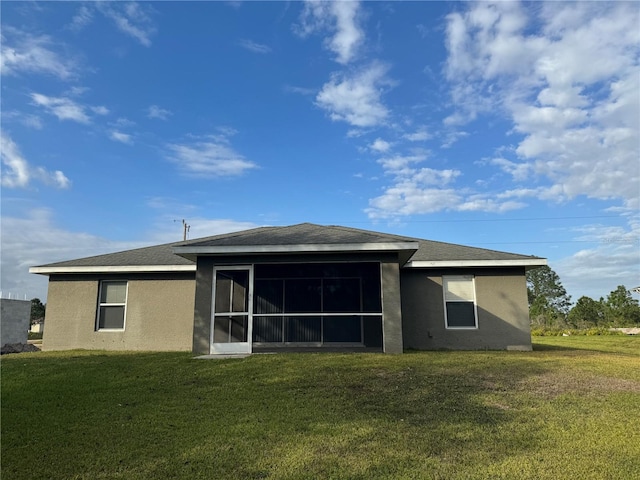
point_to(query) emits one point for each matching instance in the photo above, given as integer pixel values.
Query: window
(460, 301)
(112, 306)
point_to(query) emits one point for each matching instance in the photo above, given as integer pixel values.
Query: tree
(587, 312)
(621, 307)
(37, 309)
(549, 302)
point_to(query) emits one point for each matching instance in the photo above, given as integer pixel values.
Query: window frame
(105, 304)
(472, 278)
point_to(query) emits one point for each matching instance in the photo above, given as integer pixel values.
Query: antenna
(185, 229)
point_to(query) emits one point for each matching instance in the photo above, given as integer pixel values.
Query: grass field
(568, 410)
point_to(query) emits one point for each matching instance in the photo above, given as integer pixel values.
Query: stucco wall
(14, 315)
(159, 314)
(503, 314)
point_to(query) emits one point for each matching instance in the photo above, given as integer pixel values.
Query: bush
(558, 332)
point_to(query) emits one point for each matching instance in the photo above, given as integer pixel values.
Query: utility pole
(185, 229)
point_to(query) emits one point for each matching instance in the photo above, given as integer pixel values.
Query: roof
(301, 238)
(148, 259)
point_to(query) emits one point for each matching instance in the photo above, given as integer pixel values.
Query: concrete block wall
(14, 321)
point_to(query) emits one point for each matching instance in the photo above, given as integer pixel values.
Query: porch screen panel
(303, 329)
(268, 296)
(268, 329)
(318, 303)
(341, 295)
(347, 329)
(302, 295)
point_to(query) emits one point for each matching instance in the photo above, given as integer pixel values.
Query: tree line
(550, 305)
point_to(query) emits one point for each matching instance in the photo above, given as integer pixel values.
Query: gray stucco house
(304, 286)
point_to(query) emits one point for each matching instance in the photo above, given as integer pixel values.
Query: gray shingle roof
(301, 234)
(154, 255)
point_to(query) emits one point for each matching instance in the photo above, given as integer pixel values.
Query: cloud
(62, 107)
(577, 119)
(419, 190)
(419, 135)
(211, 156)
(82, 18)
(118, 136)
(380, 146)
(356, 99)
(612, 261)
(26, 119)
(338, 17)
(154, 111)
(24, 52)
(254, 47)
(18, 173)
(131, 18)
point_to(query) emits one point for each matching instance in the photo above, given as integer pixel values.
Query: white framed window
(112, 305)
(460, 311)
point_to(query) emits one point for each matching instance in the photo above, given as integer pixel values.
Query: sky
(508, 126)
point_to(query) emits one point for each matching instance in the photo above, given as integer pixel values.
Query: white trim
(298, 248)
(113, 269)
(232, 347)
(534, 262)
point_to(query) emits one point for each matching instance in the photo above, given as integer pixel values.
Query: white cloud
(612, 261)
(356, 99)
(26, 119)
(380, 146)
(121, 137)
(210, 156)
(420, 135)
(578, 118)
(419, 190)
(254, 47)
(18, 173)
(131, 18)
(338, 17)
(154, 111)
(62, 107)
(23, 52)
(100, 110)
(82, 18)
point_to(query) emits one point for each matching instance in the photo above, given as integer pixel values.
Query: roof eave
(524, 262)
(191, 252)
(60, 269)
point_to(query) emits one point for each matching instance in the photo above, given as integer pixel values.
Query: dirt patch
(552, 385)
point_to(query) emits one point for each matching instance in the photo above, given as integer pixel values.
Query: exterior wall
(390, 278)
(503, 313)
(391, 307)
(14, 315)
(159, 314)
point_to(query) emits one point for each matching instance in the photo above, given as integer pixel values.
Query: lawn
(569, 409)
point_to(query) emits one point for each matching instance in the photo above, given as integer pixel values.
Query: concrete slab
(220, 356)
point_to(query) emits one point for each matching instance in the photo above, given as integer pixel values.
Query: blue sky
(507, 126)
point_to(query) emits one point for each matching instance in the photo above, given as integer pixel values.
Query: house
(298, 287)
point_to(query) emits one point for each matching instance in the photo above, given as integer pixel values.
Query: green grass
(569, 409)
